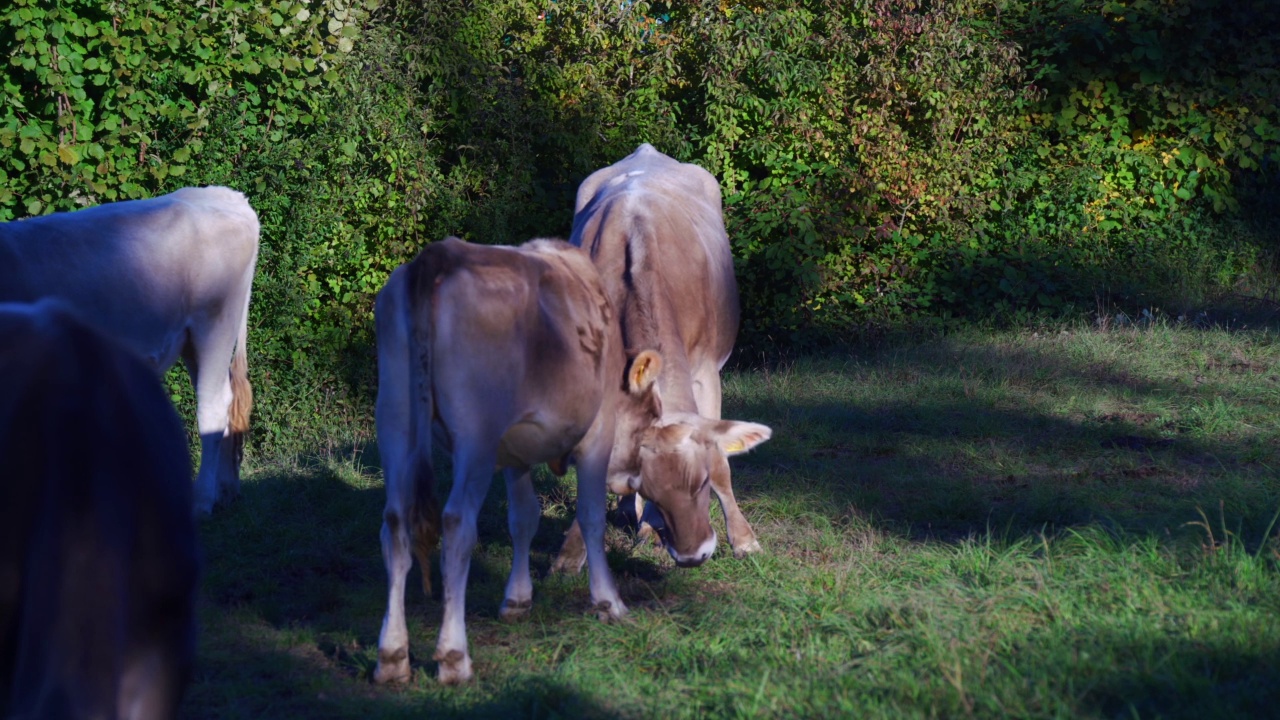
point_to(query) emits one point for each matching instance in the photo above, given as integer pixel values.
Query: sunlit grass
(1053, 523)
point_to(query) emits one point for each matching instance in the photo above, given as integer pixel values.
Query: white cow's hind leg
(591, 510)
(523, 513)
(213, 400)
(472, 473)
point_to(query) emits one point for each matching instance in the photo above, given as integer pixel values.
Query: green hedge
(881, 159)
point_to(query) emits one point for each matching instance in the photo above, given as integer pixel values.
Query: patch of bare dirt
(1129, 416)
(1237, 364)
(1136, 442)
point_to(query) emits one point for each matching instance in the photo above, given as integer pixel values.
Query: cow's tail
(241, 391)
(425, 520)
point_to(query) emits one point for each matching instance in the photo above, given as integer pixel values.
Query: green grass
(1062, 523)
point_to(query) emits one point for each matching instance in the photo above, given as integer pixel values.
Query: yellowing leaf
(68, 154)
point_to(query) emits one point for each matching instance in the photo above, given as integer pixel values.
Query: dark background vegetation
(882, 161)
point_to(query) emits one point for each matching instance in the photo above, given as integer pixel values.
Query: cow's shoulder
(649, 172)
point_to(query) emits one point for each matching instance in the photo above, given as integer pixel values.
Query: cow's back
(520, 335)
(98, 557)
(137, 265)
(655, 229)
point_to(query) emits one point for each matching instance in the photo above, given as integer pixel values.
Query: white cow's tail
(241, 391)
(425, 519)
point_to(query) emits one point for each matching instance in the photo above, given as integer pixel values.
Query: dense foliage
(881, 159)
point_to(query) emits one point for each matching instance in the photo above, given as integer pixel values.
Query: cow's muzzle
(697, 557)
(658, 521)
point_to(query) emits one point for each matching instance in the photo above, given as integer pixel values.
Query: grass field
(1055, 523)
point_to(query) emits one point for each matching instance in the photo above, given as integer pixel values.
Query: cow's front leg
(523, 511)
(471, 477)
(648, 521)
(591, 518)
(573, 553)
(741, 537)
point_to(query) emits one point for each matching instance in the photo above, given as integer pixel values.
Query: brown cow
(514, 355)
(98, 555)
(655, 231)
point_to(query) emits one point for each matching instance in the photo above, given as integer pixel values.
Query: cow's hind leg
(207, 366)
(523, 513)
(472, 473)
(393, 640)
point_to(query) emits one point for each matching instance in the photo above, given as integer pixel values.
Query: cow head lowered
(673, 460)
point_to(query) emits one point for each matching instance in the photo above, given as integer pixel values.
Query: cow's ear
(736, 437)
(643, 372)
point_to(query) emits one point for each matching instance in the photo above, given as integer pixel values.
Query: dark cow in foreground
(513, 355)
(98, 556)
(167, 277)
(655, 231)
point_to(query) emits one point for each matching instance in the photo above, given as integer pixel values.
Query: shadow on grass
(971, 439)
(1163, 676)
(294, 593)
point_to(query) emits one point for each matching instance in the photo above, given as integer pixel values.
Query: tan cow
(98, 548)
(514, 355)
(655, 231)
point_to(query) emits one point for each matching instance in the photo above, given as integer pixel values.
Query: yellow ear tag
(735, 447)
(639, 370)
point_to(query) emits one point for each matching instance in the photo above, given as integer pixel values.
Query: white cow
(515, 356)
(167, 277)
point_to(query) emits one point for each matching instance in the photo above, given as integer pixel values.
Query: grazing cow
(167, 277)
(513, 355)
(655, 231)
(98, 555)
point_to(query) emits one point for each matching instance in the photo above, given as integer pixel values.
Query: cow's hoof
(745, 550)
(455, 667)
(514, 610)
(609, 611)
(393, 667)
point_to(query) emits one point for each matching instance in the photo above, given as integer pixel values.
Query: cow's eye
(703, 485)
